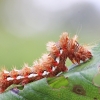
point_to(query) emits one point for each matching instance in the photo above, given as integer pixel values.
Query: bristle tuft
(51, 47)
(64, 39)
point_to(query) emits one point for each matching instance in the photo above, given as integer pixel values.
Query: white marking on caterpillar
(58, 59)
(19, 77)
(45, 73)
(48, 73)
(61, 51)
(32, 75)
(54, 68)
(10, 79)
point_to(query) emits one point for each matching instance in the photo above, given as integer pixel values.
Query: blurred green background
(27, 25)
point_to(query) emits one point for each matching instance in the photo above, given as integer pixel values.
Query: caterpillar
(49, 64)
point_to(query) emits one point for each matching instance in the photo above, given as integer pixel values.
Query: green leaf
(58, 82)
(78, 84)
(20, 87)
(96, 80)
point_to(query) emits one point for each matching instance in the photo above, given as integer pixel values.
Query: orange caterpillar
(49, 65)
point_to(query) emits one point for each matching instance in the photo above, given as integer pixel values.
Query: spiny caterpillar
(48, 65)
